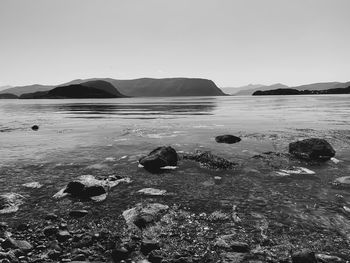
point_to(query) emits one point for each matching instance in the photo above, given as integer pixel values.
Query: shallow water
(106, 137)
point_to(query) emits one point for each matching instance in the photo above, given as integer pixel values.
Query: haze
(231, 42)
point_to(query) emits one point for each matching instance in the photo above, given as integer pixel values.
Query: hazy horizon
(233, 43)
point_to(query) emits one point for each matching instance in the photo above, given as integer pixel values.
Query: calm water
(76, 137)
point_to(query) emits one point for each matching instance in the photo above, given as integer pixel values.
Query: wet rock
(229, 242)
(328, 258)
(35, 127)
(152, 191)
(17, 244)
(50, 230)
(78, 213)
(230, 139)
(342, 182)
(51, 216)
(79, 257)
(84, 191)
(159, 157)
(156, 256)
(149, 245)
(304, 256)
(209, 160)
(230, 257)
(312, 149)
(34, 185)
(63, 235)
(54, 254)
(10, 202)
(87, 187)
(144, 215)
(119, 254)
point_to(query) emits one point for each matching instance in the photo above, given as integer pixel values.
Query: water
(106, 137)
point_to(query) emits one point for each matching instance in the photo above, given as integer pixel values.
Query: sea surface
(105, 137)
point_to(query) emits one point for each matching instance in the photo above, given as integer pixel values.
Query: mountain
(302, 92)
(144, 87)
(250, 91)
(8, 96)
(148, 87)
(234, 90)
(89, 89)
(5, 87)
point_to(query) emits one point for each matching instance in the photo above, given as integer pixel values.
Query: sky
(232, 42)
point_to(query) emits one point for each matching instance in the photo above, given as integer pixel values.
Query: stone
(78, 213)
(152, 191)
(156, 256)
(17, 244)
(229, 242)
(80, 190)
(304, 256)
(149, 245)
(159, 157)
(230, 139)
(35, 127)
(54, 254)
(144, 215)
(209, 160)
(312, 149)
(63, 235)
(51, 216)
(119, 254)
(50, 230)
(10, 202)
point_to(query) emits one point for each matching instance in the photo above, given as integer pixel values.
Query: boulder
(10, 202)
(159, 157)
(230, 139)
(342, 182)
(312, 149)
(17, 244)
(35, 127)
(229, 242)
(142, 216)
(209, 160)
(149, 245)
(119, 254)
(304, 256)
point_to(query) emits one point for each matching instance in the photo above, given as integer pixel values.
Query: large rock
(312, 149)
(10, 202)
(159, 157)
(209, 160)
(230, 242)
(87, 187)
(17, 244)
(230, 139)
(342, 182)
(144, 215)
(304, 256)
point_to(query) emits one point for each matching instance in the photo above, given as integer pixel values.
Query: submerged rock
(35, 127)
(342, 182)
(304, 256)
(209, 160)
(17, 244)
(229, 242)
(78, 213)
(230, 139)
(87, 187)
(10, 202)
(312, 149)
(34, 185)
(144, 215)
(159, 157)
(152, 191)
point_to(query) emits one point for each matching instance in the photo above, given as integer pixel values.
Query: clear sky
(232, 42)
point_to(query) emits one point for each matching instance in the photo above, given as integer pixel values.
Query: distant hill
(302, 92)
(144, 87)
(89, 89)
(234, 90)
(250, 91)
(313, 86)
(8, 96)
(5, 87)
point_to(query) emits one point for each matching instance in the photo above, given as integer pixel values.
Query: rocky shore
(156, 231)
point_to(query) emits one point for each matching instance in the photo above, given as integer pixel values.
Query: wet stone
(149, 245)
(78, 213)
(304, 256)
(119, 254)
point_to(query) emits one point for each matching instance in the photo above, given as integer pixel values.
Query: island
(301, 92)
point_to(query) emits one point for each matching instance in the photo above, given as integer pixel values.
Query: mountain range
(144, 87)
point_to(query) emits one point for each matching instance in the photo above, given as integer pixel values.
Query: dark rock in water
(120, 254)
(342, 182)
(323, 258)
(82, 191)
(149, 245)
(312, 149)
(209, 160)
(50, 230)
(54, 254)
(159, 157)
(78, 213)
(17, 244)
(156, 256)
(227, 139)
(63, 235)
(229, 242)
(144, 215)
(35, 127)
(304, 256)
